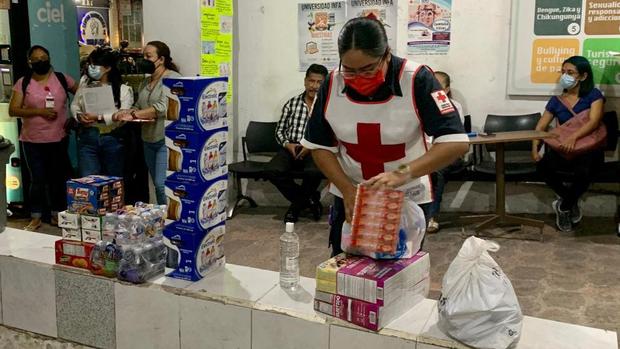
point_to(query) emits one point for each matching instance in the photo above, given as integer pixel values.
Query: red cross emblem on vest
(369, 151)
(441, 96)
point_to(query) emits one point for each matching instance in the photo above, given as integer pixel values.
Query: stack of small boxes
(88, 200)
(197, 177)
(372, 292)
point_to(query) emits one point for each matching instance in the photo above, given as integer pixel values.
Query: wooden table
(500, 216)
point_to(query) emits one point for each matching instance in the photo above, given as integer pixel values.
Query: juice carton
(199, 253)
(195, 157)
(196, 103)
(194, 207)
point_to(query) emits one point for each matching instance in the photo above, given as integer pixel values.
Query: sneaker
(562, 218)
(575, 213)
(433, 226)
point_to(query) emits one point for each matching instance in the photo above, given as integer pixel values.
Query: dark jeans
(101, 154)
(569, 179)
(439, 183)
(47, 164)
(278, 171)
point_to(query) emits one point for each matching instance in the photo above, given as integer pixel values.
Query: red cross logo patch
(443, 102)
(369, 151)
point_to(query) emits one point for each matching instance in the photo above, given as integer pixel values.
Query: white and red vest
(376, 137)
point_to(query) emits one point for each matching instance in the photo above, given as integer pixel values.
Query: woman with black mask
(151, 106)
(40, 99)
(100, 140)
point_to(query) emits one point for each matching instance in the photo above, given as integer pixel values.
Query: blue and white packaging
(195, 157)
(199, 253)
(196, 103)
(195, 207)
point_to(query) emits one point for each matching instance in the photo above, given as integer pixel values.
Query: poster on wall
(93, 25)
(429, 26)
(546, 32)
(383, 10)
(319, 25)
(217, 40)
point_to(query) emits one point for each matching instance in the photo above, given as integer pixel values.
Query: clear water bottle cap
(290, 227)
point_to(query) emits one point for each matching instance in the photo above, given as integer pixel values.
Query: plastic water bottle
(289, 258)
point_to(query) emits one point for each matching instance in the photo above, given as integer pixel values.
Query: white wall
(177, 23)
(477, 60)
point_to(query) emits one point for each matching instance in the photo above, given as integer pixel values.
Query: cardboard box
(199, 253)
(375, 281)
(94, 194)
(72, 234)
(73, 253)
(195, 157)
(92, 236)
(68, 220)
(91, 222)
(196, 103)
(195, 207)
(370, 315)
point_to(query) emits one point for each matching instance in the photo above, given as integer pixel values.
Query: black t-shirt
(434, 122)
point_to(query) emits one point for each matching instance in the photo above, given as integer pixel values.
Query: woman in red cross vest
(369, 120)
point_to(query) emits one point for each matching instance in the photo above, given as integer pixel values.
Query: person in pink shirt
(40, 99)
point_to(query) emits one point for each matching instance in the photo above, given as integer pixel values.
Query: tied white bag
(478, 305)
(410, 234)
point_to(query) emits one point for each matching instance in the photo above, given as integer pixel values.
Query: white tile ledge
(537, 333)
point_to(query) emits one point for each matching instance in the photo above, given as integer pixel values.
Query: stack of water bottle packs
(128, 243)
(196, 135)
(384, 273)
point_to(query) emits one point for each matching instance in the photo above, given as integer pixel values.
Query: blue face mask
(567, 82)
(95, 72)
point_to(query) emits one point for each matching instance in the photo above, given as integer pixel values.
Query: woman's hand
(569, 144)
(87, 118)
(122, 115)
(49, 114)
(348, 197)
(387, 180)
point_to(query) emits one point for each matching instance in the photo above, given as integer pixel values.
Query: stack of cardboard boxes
(88, 200)
(371, 293)
(197, 177)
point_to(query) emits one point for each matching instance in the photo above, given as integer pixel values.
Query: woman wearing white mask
(100, 141)
(580, 94)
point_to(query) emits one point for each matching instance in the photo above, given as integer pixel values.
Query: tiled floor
(569, 277)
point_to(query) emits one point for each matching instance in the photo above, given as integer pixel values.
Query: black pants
(47, 164)
(569, 179)
(279, 169)
(337, 218)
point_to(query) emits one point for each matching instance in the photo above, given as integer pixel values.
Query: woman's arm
(326, 161)
(16, 108)
(542, 125)
(596, 114)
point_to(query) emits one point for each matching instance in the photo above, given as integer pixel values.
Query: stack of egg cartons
(197, 177)
(373, 292)
(88, 200)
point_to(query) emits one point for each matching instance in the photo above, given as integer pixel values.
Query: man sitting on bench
(293, 156)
